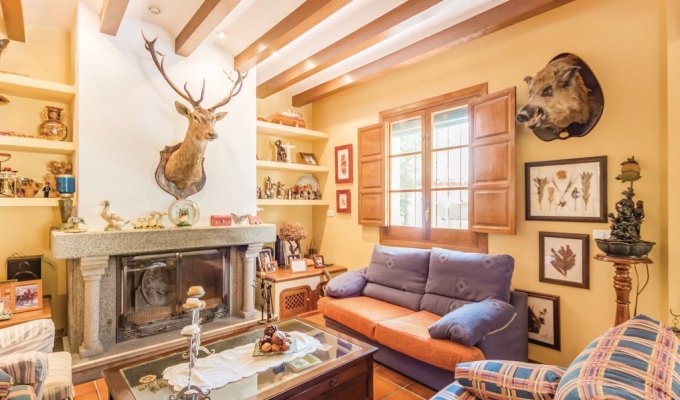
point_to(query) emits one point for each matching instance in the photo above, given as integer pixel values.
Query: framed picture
(318, 261)
(289, 248)
(309, 158)
(26, 296)
(567, 190)
(291, 258)
(343, 164)
(344, 201)
(266, 261)
(6, 296)
(544, 319)
(564, 259)
(298, 265)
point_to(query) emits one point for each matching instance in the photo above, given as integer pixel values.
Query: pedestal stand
(622, 283)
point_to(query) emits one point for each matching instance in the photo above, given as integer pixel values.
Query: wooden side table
(20, 318)
(622, 283)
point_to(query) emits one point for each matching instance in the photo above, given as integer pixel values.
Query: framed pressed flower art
(564, 259)
(567, 190)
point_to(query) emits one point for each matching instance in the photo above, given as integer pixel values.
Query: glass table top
(332, 348)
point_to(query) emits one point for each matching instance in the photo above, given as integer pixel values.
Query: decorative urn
(52, 127)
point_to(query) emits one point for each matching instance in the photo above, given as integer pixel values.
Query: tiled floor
(387, 383)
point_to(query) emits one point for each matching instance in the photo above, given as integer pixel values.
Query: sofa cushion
(6, 382)
(409, 336)
(347, 285)
(398, 297)
(491, 380)
(454, 392)
(399, 268)
(440, 305)
(360, 313)
(58, 384)
(471, 322)
(21, 392)
(470, 276)
(635, 360)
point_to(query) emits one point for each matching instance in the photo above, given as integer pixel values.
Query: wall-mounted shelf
(277, 202)
(28, 202)
(23, 86)
(284, 166)
(268, 128)
(35, 145)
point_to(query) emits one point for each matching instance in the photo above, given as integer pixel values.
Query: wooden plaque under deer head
(180, 171)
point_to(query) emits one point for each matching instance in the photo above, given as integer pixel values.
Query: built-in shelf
(28, 202)
(277, 202)
(23, 86)
(284, 166)
(35, 145)
(268, 128)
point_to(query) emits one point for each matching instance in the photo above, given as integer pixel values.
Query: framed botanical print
(564, 259)
(544, 319)
(344, 201)
(343, 164)
(567, 190)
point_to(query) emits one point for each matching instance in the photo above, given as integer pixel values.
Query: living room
(381, 198)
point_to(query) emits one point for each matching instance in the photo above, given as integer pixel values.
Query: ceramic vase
(52, 127)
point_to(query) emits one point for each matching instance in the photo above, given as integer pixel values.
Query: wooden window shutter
(372, 202)
(492, 163)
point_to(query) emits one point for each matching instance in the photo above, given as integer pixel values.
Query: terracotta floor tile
(85, 388)
(421, 390)
(88, 396)
(103, 389)
(404, 394)
(391, 375)
(382, 388)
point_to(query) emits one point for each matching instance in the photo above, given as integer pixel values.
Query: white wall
(126, 116)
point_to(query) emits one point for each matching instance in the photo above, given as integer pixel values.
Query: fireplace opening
(152, 288)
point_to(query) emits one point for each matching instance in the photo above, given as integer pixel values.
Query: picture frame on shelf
(318, 261)
(309, 158)
(343, 201)
(289, 248)
(544, 319)
(27, 296)
(298, 265)
(291, 258)
(567, 190)
(564, 259)
(344, 166)
(266, 261)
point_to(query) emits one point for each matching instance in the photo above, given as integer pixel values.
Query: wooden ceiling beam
(206, 19)
(368, 35)
(14, 19)
(497, 18)
(111, 16)
(303, 18)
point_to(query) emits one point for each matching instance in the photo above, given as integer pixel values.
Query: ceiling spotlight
(154, 10)
(221, 34)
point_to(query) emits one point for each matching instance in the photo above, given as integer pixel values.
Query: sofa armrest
(495, 379)
(511, 343)
(27, 368)
(349, 284)
(37, 335)
(454, 392)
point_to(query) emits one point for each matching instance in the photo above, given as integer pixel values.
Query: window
(440, 171)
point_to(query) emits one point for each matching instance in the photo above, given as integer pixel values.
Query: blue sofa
(406, 296)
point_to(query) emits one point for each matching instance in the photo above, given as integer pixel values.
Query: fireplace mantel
(98, 243)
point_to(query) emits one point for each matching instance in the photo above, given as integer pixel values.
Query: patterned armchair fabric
(29, 368)
(35, 335)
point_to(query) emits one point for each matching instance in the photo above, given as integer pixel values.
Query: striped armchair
(26, 355)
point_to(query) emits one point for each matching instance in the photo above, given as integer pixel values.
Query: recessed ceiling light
(221, 34)
(154, 10)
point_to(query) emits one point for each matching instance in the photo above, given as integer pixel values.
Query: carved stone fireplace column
(92, 270)
(248, 311)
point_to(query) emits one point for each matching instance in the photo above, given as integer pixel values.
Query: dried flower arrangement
(292, 231)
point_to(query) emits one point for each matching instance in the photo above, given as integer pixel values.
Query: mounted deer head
(180, 171)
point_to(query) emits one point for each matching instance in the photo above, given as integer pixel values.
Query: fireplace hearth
(151, 289)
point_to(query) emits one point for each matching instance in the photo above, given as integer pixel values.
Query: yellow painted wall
(672, 154)
(629, 60)
(45, 55)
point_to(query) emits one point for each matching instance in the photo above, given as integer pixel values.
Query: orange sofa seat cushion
(409, 336)
(360, 313)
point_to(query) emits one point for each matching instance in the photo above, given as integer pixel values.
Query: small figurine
(46, 190)
(183, 217)
(281, 154)
(114, 221)
(268, 188)
(75, 225)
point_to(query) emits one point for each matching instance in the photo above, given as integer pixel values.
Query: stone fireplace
(117, 279)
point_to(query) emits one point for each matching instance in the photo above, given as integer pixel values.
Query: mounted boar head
(565, 99)
(180, 171)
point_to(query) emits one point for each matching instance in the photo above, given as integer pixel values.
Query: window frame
(428, 236)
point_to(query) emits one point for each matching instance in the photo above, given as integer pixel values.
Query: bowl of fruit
(274, 342)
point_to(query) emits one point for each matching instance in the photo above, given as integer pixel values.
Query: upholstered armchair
(26, 356)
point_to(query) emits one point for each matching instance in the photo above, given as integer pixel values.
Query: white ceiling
(252, 18)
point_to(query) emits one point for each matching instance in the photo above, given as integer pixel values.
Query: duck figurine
(115, 222)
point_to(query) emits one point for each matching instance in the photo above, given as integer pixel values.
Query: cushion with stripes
(454, 392)
(6, 383)
(493, 380)
(22, 392)
(635, 360)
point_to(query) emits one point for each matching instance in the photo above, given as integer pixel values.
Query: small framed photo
(544, 319)
(567, 190)
(291, 258)
(298, 265)
(344, 201)
(288, 248)
(343, 164)
(309, 158)
(26, 296)
(564, 259)
(318, 261)
(265, 260)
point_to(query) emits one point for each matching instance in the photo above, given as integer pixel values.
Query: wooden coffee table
(345, 371)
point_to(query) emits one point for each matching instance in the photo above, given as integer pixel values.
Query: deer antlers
(150, 46)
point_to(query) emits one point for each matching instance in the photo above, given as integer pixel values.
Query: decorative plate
(258, 353)
(310, 181)
(183, 213)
